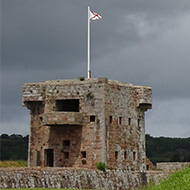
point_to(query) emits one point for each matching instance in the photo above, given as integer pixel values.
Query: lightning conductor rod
(89, 72)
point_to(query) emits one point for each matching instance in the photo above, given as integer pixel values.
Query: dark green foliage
(186, 158)
(90, 96)
(101, 166)
(164, 149)
(83, 162)
(13, 147)
(175, 158)
(82, 78)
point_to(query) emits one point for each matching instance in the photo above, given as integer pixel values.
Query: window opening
(138, 122)
(66, 143)
(120, 120)
(129, 121)
(41, 119)
(92, 118)
(66, 155)
(71, 105)
(116, 155)
(125, 155)
(83, 154)
(111, 119)
(49, 157)
(134, 155)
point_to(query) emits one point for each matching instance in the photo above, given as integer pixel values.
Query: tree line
(158, 149)
(165, 149)
(13, 147)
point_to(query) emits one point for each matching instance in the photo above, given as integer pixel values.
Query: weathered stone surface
(80, 123)
(68, 178)
(62, 118)
(33, 92)
(172, 165)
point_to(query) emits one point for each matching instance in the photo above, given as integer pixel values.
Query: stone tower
(77, 123)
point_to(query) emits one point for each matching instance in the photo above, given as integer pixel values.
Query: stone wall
(69, 178)
(172, 165)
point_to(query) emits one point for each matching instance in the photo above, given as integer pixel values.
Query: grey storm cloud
(142, 42)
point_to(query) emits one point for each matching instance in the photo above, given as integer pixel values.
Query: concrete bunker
(69, 129)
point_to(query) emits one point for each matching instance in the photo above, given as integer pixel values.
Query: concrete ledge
(62, 118)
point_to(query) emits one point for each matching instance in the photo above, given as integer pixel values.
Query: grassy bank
(177, 181)
(18, 163)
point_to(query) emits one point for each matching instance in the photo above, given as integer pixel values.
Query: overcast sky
(143, 42)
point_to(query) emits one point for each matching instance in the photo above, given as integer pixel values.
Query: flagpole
(89, 72)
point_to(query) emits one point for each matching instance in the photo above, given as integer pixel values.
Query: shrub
(81, 78)
(83, 161)
(101, 166)
(90, 96)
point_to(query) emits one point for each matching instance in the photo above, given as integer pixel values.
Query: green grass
(177, 181)
(18, 163)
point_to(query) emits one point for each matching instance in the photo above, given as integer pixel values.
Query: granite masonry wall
(71, 178)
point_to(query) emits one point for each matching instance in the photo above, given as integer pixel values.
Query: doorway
(49, 157)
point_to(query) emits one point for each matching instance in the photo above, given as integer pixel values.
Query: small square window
(66, 143)
(66, 155)
(92, 118)
(83, 154)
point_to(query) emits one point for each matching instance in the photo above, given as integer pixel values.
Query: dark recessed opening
(125, 155)
(138, 122)
(111, 119)
(71, 105)
(66, 143)
(49, 157)
(134, 155)
(116, 155)
(120, 120)
(92, 118)
(83, 154)
(129, 121)
(66, 155)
